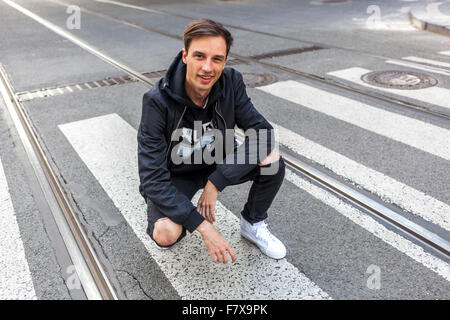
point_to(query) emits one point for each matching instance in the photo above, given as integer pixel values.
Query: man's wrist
(202, 227)
(212, 186)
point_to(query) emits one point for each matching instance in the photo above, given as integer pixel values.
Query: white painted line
(16, 282)
(60, 90)
(86, 46)
(387, 188)
(447, 53)
(405, 246)
(87, 85)
(429, 61)
(434, 95)
(419, 67)
(69, 89)
(418, 134)
(81, 267)
(130, 6)
(78, 87)
(108, 147)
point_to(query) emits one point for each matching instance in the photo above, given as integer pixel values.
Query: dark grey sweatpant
(260, 198)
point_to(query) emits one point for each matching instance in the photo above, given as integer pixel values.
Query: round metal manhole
(255, 79)
(395, 79)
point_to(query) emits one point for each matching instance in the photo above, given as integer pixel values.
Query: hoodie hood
(173, 83)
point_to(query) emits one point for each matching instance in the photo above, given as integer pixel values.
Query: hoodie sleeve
(247, 117)
(154, 175)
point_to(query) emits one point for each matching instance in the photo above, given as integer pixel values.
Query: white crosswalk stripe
(15, 278)
(108, 147)
(385, 187)
(420, 67)
(401, 244)
(428, 61)
(418, 134)
(433, 95)
(446, 53)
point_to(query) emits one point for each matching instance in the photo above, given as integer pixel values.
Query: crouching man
(199, 101)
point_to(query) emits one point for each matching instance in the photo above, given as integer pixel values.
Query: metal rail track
(89, 270)
(360, 200)
(316, 78)
(270, 34)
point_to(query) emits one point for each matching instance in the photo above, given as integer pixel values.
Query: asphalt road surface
(396, 155)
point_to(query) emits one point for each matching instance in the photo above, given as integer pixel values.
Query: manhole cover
(399, 79)
(252, 79)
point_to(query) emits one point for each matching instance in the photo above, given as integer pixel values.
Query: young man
(199, 100)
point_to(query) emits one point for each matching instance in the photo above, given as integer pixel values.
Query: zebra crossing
(387, 188)
(107, 145)
(432, 95)
(421, 135)
(15, 277)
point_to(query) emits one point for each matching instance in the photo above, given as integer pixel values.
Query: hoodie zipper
(179, 121)
(225, 123)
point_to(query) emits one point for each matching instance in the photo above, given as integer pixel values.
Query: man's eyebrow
(216, 56)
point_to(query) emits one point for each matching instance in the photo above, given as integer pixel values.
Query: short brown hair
(206, 27)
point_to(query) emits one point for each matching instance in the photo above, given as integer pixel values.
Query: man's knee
(166, 232)
(275, 170)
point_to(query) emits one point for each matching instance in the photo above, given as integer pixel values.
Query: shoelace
(263, 233)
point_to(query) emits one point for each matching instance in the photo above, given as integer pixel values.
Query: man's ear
(184, 55)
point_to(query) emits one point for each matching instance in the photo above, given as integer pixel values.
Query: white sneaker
(261, 236)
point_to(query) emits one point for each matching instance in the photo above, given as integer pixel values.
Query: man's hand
(207, 202)
(271, 158)
(215, 243)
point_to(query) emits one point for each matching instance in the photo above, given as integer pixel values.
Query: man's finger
(211, 213)
(204, 211)
(232, 254)
(225, 256)
(199, 207)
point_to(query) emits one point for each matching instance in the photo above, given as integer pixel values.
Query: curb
(421, 24)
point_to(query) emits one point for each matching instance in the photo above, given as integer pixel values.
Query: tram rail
(381, 97)
(91, 274)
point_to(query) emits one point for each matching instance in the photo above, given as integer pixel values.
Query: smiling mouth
(206, 78)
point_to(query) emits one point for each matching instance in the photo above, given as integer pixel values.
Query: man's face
(204, 61)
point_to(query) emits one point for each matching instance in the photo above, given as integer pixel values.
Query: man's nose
(207, 66)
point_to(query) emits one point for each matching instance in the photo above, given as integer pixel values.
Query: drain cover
(394, 79)
(253, 79)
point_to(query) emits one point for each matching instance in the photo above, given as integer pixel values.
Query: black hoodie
(163, 111)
